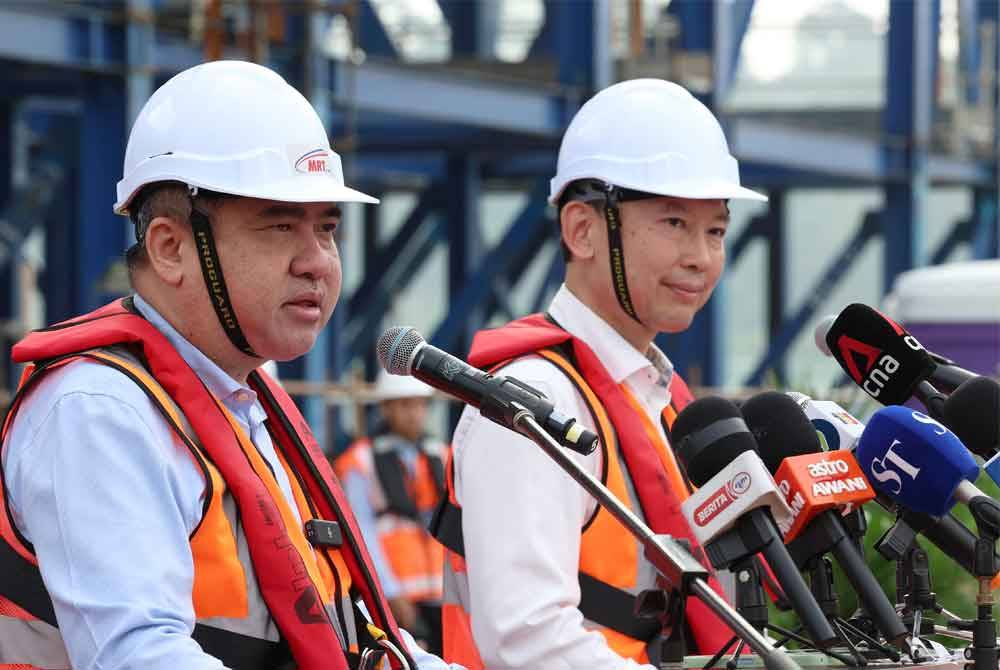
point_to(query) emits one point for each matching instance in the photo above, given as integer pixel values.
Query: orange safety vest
(611, 560)
(401, 501)
(255, 565)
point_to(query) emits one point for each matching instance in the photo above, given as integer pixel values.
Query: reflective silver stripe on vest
(645, 577)
(456, 587)
(32, 643)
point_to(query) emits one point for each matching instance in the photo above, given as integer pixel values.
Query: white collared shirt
(522, 515)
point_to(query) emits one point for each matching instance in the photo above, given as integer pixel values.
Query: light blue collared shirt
(108, 495)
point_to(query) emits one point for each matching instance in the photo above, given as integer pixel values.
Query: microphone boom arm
(670, 558)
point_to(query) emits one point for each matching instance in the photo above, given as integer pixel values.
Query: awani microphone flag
(813, 483)
(742, 485)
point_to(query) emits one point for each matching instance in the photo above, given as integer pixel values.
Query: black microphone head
(972, 412)
(780, 428)
(395, 349)
(707, 435)
(878, 354)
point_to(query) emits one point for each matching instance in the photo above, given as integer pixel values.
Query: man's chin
(289, 352)
(672, 326)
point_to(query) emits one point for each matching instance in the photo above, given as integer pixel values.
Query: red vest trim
(314, 647)
(660, 504)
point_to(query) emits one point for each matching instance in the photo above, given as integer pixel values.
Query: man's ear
(167, 240)
(578, 222)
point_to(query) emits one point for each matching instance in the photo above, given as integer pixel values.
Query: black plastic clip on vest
(322, 533)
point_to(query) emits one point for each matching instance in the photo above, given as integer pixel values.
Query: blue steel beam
(464, 19)
(566, 37)
(910, 72)
(103, 236)
(372, 222)
(852, 158)
(523, 233)
(62, 219)
(739, 244)
(777, 276)
(714, 27)
(985, 237)
(838, 266)
(89, 39)
(371, 34)
(959, 233)
(450, 98)
(969, 49)
(361, 332)
(732, 19)
(515, 269)
(430, 201)
(465, 244)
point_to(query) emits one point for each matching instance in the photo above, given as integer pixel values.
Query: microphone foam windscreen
(914, 459)
(878, 354)
(395, 349)
(707, 435)
(780, 428)
(972, 411)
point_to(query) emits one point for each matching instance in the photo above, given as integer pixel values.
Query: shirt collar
(239, 398)
(621, 359)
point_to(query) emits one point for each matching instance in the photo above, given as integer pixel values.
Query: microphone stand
(983, 652)
(914, 598)
(856, 524)
(680, 574)
(751, 602)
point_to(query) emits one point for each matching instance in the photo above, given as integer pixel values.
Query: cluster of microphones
(781, 480)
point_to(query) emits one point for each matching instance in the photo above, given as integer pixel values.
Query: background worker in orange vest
(164, 504)
(394, 481)
(537, 576)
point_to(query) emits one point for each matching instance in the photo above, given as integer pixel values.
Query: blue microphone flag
(914, 459)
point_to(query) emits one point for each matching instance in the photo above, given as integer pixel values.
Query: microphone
(733, 511)
(402, 351)
(840, 430)
(915, 460)
(972, 412)
(919, 462)
(817, 485)
(886, 361)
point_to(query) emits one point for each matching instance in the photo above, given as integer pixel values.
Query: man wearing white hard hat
(642, 185)
(165, 504)
(394, 481)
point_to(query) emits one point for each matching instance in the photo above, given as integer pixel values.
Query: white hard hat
(653, 136)
(392, 387)
(238, 128)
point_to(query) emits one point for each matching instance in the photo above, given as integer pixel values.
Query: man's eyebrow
(295, 211)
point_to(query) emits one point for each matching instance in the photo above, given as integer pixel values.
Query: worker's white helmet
(653, 136)
(392, 387)
(238, 128)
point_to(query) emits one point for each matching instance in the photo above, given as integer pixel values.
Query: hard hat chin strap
(616, 253)
(211, 270)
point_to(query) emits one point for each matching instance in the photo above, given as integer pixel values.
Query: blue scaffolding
(73, 74)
